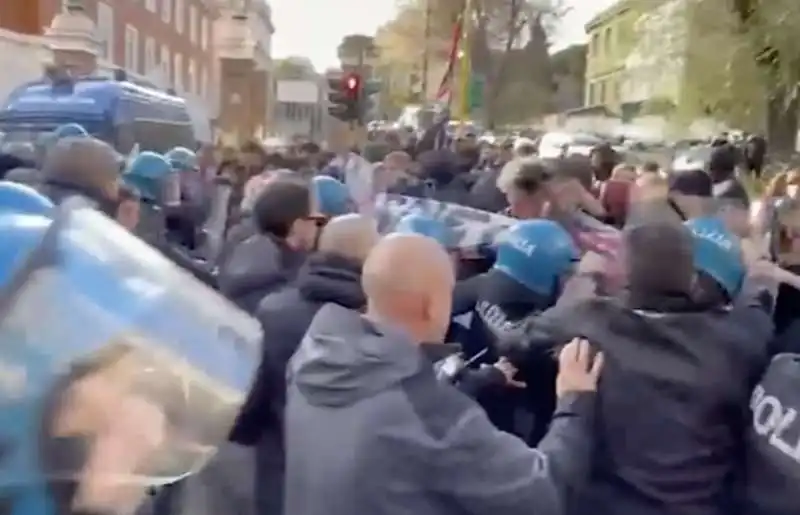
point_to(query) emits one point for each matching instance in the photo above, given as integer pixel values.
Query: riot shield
(118, 371)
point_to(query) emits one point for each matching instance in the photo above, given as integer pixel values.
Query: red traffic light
(352, 84)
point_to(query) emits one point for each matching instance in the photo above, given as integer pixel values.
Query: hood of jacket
(346, 357)
(330, 278)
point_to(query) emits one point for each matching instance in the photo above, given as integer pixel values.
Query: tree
(743, 65)
(568, 67)
(357, 47)
(294, 68)
(509, 47)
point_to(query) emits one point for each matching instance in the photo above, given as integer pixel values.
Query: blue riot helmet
(718, 254)
(69, 130)
(147, 173)
(20, 198)
(163, 362)
(181, 159)
(332, 198)
(538, 254)
(424, 225)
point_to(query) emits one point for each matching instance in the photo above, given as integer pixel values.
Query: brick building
(169, 43)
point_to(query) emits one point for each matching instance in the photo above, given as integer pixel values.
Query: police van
(115, 110)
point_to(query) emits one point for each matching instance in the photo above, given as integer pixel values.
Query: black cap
(690, 182)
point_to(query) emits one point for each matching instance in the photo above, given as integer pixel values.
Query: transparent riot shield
(118, 371)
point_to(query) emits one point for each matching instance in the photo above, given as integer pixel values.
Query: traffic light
(366, 104)
(344, 97)
(350, 97)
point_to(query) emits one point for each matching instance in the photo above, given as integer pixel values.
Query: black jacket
(501, 311)
(672, 400)
(256, 267)
(485, 194)
(285, 316)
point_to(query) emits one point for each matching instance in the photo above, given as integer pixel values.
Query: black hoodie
(285, 316)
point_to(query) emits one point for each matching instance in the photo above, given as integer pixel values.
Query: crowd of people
(650, 371)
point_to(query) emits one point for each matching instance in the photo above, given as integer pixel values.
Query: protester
(722, 168)
(603, 158)
(364, 384)
(660, 390)
(284, 216)
(442, 180)
(486, 194)
(331, 275)
(755, 151)
(536, 188)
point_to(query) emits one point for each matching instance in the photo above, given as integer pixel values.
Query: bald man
(331, 275)
(370, 429)
(84, 167)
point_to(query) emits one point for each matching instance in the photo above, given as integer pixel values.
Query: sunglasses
(319, 220)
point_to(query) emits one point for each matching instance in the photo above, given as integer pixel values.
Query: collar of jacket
(332, 278)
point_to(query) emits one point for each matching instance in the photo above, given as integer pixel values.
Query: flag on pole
(447, 79)
(465, 62)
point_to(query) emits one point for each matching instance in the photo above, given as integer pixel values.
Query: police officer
(534, 258)
(148, 174)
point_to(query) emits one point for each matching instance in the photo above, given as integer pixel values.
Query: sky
(313, 28)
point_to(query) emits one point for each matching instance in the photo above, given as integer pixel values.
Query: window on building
(204, 32)
(166, 11)
(192, 85)
(151, 6)
(193, 29)
(601, 96)
(150, 57)
(590, 95)
(105, 30)
(180, 15)
(607, 40)
(202, 87)
(165, 63)
(132, 49)
(594, 45)
(178, 73)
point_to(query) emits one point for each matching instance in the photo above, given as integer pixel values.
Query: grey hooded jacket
(369, 430)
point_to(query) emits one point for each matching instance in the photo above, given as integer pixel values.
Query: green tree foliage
(743, 65)
(509, 47)
(294, 68)
(355, 46)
